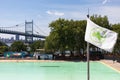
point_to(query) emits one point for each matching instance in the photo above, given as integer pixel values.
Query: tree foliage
(37, 45)
(116, 28)
(18, 46)
(101, 21)
(3, 47)
(69, 34)
(2, 44)
(66, 35)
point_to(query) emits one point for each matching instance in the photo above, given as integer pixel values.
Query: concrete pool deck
(115, 65)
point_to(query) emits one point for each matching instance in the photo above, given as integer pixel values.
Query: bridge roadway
(21, 33)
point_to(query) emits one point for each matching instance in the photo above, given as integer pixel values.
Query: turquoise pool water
(55, 71)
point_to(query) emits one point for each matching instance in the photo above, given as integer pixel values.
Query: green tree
(57, 34)
(2, 44)
(18, 46)
(116, 28)
(3, 47)
(39, 44)
(66, 35)
(52, 42)
(101, 21)
(80, 32)
(69, 34)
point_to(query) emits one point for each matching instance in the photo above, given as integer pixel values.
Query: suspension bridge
(27, 29)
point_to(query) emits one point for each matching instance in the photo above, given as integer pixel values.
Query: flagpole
(108, 40)
(88, 65)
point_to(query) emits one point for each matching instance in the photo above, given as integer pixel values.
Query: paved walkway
(115, 65)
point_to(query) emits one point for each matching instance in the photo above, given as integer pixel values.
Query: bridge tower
(29, 30)
(17, 37)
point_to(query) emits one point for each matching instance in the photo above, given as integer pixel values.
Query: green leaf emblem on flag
(98, 35)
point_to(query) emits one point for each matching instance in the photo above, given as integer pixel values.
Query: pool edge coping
(109, 66)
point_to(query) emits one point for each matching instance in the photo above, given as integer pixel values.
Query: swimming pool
(56, 71)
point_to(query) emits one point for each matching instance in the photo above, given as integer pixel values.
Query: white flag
(100, 37)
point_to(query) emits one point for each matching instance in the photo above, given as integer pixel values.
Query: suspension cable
(14, 26)
(40, 29)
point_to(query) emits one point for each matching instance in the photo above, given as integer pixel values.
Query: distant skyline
(43, 12)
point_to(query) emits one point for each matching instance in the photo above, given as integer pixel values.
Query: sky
(43, 12)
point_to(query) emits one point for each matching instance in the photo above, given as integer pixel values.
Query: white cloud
(105, 1)
(56, 13)
(49, 12)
